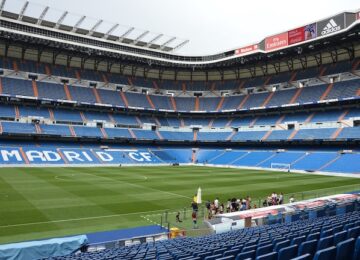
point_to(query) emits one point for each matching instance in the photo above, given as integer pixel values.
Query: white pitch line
(136, 185)
(77, 219)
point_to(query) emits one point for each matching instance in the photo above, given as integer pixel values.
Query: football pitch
(40, 203)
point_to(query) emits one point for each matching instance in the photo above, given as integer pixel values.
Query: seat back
(326, 254)
(353, 232)
(303, 257)
(245, 255)
(280, 245)
(298, 240)
(345, 249)
(264, 250)
(325, 242)
(268, 256)
(308, 247)
(340, 236)
(288, 252)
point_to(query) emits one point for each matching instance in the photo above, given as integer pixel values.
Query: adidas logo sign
(330, 27)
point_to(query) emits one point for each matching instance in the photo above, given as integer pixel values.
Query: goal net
(281, 166)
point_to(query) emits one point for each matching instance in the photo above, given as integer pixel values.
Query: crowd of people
(232, 205)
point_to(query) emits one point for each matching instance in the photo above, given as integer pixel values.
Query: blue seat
(357, 249)
(302, 257)
(325, 242)
(203, 255)
(232, 252)
(326, 254)
(280, 245)
(326, 233)
(249, 248)
(269, 256)
(245, 255)
(308, 247)
(213, 257)
(264, 250)
(219, 251)
(230, 257)
(288, 252)
(345, 249)
(353, 232)
(313, 236)
(340, 236)
(298, 240)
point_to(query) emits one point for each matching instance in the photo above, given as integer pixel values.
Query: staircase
(296, 95)
(293, 76)
(279, 121)
(293, 134)
(47, 70)
(15, 65)
(343, 115)
(150, 102)
(211, 123)
(67, 92)
(1, 86)
(105, 79)
(35, 89)
(173, 103)
(72, 131)
(329, 163)
(252, 123)
(195, 136)
(183, 87)
(38, 129)
(83, 118)
(267, 100)
(1, 128)
(231, 136)
(310, 117)
(123, 96)
(104, 134)
(228, 124)
(266, 136)
(156, 86)
(51, 113)
(23, 155)
(132, 133)
(77, 75)
(327, 91)
(17, 112)
(159, 135)
(221, 102)
(97, 96)
(130, 81)
(243, 101)
(197, 103)
(336, 133)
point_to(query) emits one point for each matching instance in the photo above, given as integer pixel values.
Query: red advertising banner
(246, 49)
(297, 35)
(276, 41)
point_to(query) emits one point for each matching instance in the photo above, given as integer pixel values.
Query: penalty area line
(77, 219)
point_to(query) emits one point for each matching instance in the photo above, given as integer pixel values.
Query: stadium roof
(41, 15)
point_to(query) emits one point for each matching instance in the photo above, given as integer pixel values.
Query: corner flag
(198, 197)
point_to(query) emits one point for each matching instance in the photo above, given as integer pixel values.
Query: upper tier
(275, 91)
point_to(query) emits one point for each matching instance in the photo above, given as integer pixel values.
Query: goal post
(281, 166)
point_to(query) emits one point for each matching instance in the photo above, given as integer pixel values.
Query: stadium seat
(246, 255)
(288, 252)
(326, 254)
(264, 250)
(345, 249)
(353, 232)
(269, 256)
(308, 247)
(298, 240)
(302, 257)
(340, 236)
(213, 257)
(325, 242)
(280, 245)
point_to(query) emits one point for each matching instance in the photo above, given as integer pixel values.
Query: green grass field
(47, 202)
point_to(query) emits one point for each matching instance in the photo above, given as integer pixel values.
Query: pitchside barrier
(167, 219)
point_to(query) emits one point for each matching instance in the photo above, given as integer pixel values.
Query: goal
(281, 166)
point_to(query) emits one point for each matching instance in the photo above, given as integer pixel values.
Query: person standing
(194, 219)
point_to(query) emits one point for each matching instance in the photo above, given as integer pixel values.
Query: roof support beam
(111, 30)
(42, 15)
(23, 9)
(95, 27)
(180, 45)
(140, 37)
(154, 39)
(2, 5)
(126, 33)
(167, 42)
(78, 23)
(61, 19)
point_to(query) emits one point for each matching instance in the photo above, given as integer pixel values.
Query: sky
(211, 26)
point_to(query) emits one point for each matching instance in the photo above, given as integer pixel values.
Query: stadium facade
(290, 100)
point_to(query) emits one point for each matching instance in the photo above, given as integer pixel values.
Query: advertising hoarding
(330, 25)
(246, 49)
(276, 42)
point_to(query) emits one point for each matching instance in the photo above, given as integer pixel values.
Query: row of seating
(62, 71)
(330, 237)
(54, 91)
(176, 135)
(78, 116)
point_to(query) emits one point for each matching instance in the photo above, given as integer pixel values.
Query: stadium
(118, 147)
